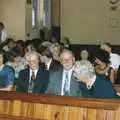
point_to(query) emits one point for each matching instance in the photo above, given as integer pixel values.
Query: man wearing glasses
(63, 82)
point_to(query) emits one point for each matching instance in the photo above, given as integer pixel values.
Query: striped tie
(31, 83)
(66, 85)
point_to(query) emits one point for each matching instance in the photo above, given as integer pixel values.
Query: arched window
(41, 13)
(35, 11)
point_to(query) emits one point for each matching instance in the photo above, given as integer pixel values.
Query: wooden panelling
(21, 106)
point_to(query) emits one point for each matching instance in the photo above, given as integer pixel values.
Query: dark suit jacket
(54, 66)
(102, 88)
(55, 84)
(41, 81)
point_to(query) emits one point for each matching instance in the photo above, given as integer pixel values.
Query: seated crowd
(36, 66)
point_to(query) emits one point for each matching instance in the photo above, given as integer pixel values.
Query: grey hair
(66, 51)
(29, 54)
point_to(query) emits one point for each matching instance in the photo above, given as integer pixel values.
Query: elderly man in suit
(62, 82)
(32, 79)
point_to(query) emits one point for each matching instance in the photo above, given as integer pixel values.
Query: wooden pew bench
(21, 106)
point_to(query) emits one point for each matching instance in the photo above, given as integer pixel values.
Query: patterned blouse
(84, 67)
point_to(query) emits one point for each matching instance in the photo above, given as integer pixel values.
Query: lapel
(59, 82)
(27, 76)
(73, 86)
(37, 75)
(51, 65)
(37, 81)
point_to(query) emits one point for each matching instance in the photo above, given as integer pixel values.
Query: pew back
(21, 106)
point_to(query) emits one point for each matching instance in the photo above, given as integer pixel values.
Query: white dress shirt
(48, 64)
(63, 79)
(115, 60)
(35, 72)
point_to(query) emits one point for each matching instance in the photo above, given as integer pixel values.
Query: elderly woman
(84, 55)
(17, 62)
(7, 74)
(84, 62)
(92, 85)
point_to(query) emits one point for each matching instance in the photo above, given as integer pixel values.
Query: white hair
(29, 54)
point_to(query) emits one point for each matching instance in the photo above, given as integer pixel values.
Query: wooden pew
(22, 106)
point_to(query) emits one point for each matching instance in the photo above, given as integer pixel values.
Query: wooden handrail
(110, 104)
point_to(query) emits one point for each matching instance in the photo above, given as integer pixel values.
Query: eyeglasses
(33, 61)
(66, 60)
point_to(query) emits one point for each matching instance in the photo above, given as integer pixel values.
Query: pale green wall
(90, 21)
(83, 21)
(28, 19)
(12, 14)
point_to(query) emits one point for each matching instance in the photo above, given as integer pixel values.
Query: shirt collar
(69, 71)
(35, 71)
(48, 63)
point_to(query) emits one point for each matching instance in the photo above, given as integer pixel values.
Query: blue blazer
(41, 81)
(102, 88)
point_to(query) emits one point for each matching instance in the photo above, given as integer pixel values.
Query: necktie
(46, 67)
(66, 85)
(31, 83)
